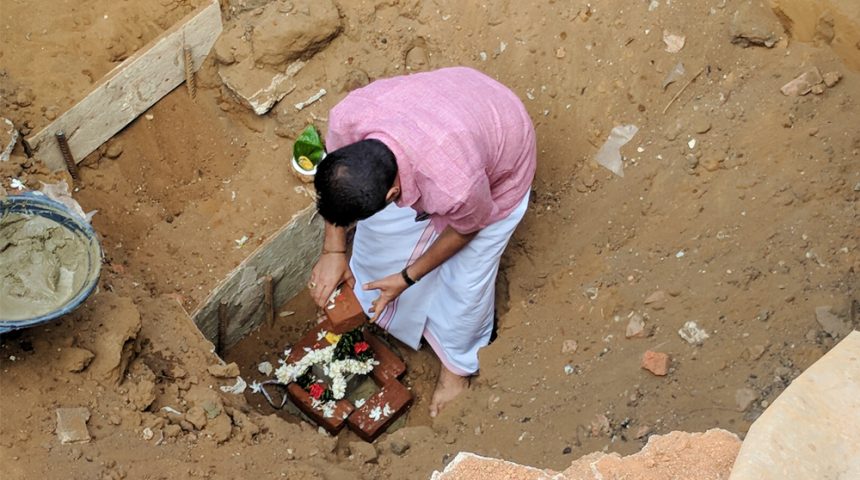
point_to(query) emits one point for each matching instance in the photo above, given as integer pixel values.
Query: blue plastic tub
(36, 203)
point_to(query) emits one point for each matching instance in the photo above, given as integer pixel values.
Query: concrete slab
(812, 430)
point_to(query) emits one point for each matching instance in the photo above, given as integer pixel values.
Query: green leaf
(309, 144)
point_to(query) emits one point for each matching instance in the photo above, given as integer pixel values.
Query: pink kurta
(465, 150)
(464, 143)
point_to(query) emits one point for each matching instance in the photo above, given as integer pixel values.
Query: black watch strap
(406, 278)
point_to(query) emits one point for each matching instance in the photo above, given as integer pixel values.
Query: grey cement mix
(42, 266)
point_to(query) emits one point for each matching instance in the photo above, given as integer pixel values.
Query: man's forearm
(335, 238)
(449, 243)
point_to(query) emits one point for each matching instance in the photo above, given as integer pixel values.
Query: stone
(569, 346)
(114, 149)
(72, 425)
(635, 327)
(701, 125)
(830, 323)
(219, 428)
(228, 370)
(674, 455)
(353, 80)
(417, 58)
(656, 362)
(73, 359)
(811, 429)
(692, 333)
(279, 39)
(196, 416)
(656, 300)
(468, 466)
(831, 78)
(8, 138)
(24, 98)
(754, 24)
(259, 88)
(114, 347)
(802, 84)
(399, 446)
(362, 452)
(744, 397)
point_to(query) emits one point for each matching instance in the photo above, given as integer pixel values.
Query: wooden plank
(287, 256)
(131, 88)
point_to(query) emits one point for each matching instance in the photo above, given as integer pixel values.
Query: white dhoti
(452, 306)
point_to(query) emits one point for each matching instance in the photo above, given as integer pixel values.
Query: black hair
(353, 181)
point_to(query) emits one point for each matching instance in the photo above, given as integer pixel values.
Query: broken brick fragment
(656, 362)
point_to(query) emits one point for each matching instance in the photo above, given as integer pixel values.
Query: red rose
(316, 390)
(360, 347)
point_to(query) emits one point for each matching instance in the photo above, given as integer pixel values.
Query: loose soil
(737, 210)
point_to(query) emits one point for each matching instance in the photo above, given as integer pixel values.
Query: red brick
(304, 402)
(656, 362)
(398, 398)
(308, 341)
(390, 367)
(346, 313)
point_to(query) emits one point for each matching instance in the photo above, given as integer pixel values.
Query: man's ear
(393, 194)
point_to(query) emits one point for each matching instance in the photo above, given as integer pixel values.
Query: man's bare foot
(448, 387)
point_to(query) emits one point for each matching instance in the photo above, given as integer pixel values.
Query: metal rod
(222, 328)
(71, 165)
(190, 80)
(268, 298)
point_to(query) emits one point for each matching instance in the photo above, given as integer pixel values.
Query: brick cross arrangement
(345, 315)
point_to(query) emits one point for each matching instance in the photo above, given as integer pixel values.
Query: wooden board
(287, 256)
(131, 88)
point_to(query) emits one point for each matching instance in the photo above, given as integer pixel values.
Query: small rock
(228, 370)
(656, 362)
(196, 416)
(148, 434)
(399, 446)
(818, 89)
(353, 80)
(219, 428)
(692, 333)
(643, 431)
(23, 99)
(802, 84)
(362, 452)
(417, 58)
(52, 112)
(8, 138)
(635, 327)
(600, 426)
(712, 164)
(701, 125)
(832, 324)
(114, 149)
(756, 351)
(566, 451)
(172, 431)
(72, 425)
(569, 346)
(744, 397)
(75, 360)
(754, 24)
(656, 300)
(831, 78)
(560, 52)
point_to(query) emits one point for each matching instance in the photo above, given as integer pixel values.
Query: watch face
(421, 216)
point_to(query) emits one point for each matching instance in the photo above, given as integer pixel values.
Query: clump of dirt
(737, 211)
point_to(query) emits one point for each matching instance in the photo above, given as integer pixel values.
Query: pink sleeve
(472, 213)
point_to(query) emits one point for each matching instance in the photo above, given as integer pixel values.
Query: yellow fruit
(305, 163)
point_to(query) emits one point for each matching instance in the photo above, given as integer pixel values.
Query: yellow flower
(332, 338)
(305, 163)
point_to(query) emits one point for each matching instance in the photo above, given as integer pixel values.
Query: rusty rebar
(71, 165)
(190, 80)
(222, 328)
(269, 299)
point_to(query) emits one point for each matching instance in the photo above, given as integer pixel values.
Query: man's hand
(331, 270)
(389, 288)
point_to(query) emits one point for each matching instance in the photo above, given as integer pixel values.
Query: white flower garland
(337, 370)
